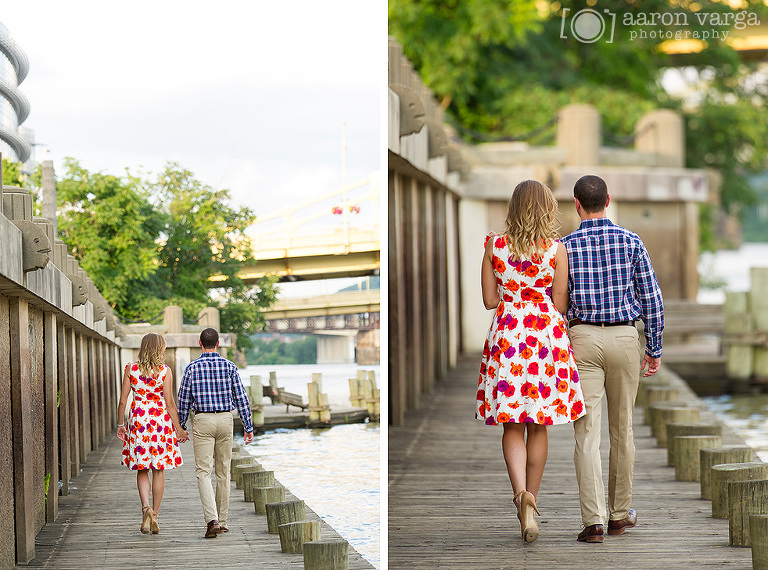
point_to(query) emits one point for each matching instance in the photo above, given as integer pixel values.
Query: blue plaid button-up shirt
(611, 279)
(212, 383)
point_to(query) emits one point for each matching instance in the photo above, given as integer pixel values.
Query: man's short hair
(209, 338)
(591, 192)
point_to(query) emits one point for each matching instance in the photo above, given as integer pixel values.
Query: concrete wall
(58, 376)
(651, 192)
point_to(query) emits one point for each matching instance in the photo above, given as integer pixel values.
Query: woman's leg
(515, 454)
(142, 482)
(537, 448)
(158, 488)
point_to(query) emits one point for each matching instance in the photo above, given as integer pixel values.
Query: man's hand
(653, 365)
(248, 437)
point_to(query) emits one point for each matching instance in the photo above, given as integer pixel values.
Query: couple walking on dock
(211, 387)
(536, 371)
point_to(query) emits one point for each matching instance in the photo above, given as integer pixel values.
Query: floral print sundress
(528, 372)
(151, 441)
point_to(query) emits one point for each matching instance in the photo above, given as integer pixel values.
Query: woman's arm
(170, 404)
(560, 281)
(124, 393)
(491, 297)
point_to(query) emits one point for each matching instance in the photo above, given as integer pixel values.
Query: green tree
(509, 82)
(151, 243)
(110, 226)
(289, 349)
(12, 175)
(204, 237)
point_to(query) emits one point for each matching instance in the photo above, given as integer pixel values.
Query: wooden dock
(98, 525)
(450, 500)
(275, 417)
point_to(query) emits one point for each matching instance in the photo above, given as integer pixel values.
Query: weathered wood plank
(98, 525)
(450, 501)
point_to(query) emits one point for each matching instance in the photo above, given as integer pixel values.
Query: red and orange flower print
(151, 441)
(527, 373)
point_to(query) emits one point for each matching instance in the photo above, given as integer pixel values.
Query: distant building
(15, 140)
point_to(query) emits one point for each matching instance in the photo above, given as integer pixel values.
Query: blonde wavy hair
(531, 222)
(151, 353)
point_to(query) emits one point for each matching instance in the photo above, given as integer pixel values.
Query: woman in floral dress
(150, 442)
(528, 377)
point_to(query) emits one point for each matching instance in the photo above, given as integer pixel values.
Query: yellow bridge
(338, 252)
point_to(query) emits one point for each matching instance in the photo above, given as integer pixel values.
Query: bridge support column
(336, 348)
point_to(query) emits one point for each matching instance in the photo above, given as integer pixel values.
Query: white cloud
(246, 94)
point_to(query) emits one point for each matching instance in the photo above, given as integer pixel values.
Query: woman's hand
(181, 435)
(122, 433)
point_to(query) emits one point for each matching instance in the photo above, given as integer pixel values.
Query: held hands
(653, 365)
(181, 435)
(248, 437)
(122, 433)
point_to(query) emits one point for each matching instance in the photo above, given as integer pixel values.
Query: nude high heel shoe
(146, 521)
(153, 526)
(525, 510)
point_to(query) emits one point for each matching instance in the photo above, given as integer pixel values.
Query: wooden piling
(355, 393)
(758, 533)
(641, 400)
(686, 451)
(654, 394)
(719, 456)
(235, 461)
(745, 498)
(696, 428)
(241, 468)
(256, 399)
(326, 554)
(261, 496)
(284, 512)
(758, 308)
(724, 474)
(294, 534)
(663, 413)
(739, 324)
(256, 478)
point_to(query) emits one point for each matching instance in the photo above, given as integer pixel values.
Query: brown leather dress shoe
(223, 528)
(591, 533)
(618, 527)
(213, 529)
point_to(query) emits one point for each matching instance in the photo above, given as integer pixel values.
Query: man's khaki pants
(212, 440)
(608, 360)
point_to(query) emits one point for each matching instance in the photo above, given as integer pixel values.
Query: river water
(746, 414)
(335, 471)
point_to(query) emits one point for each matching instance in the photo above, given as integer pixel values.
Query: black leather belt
(574, 322)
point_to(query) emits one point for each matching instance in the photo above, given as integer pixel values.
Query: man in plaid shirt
(211, 387)
(612, 284)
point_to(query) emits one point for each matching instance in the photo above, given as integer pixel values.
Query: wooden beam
(51, 375)
(65, 450)
(21, 401)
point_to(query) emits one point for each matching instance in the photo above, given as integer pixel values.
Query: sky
(250, 95)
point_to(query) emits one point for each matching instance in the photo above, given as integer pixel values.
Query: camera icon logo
(588, 26)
